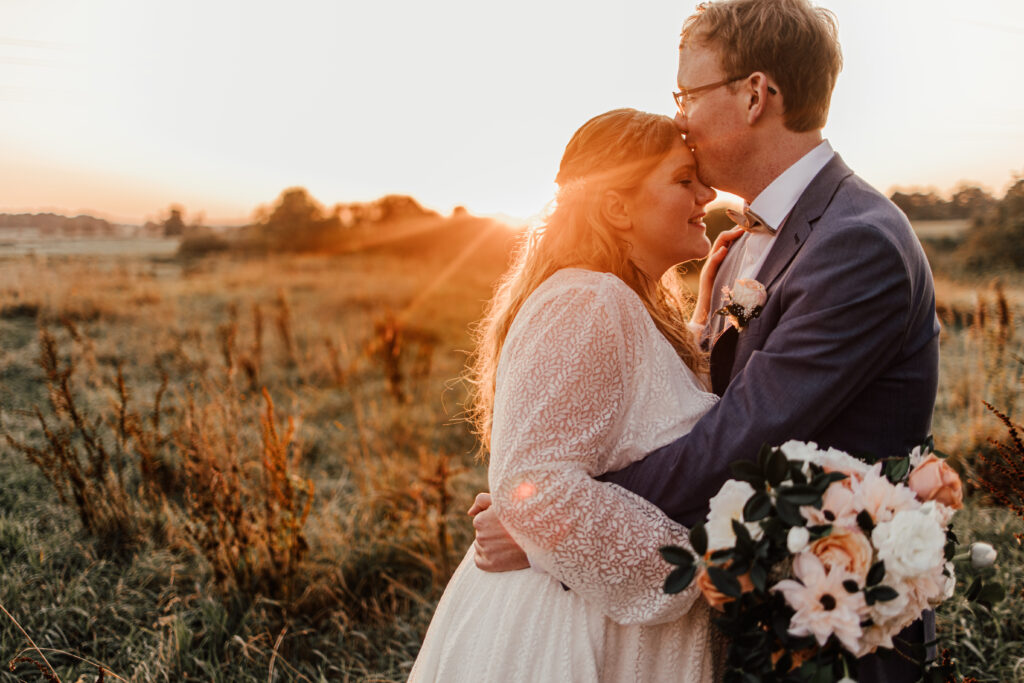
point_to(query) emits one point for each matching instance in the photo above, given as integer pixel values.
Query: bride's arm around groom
(574, 370)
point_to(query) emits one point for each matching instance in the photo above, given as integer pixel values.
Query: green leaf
(819, 531)
(699, 539)
(759, 576)
(896, 469)
(991, 593)
(775, 467)
(757, 507)
(726, 583)
(789, 512)
(722, 555)
(750, 472)
(680, 579)
(835, 476)
(800, 494)
(673, 554)
(884, 593)
(876, 573)
(974, 589)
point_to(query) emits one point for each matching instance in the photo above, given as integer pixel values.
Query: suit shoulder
(859, 212)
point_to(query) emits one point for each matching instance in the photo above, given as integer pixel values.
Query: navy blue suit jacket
(844, 353)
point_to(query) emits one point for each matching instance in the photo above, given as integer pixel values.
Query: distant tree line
(996, 237)
(53, 224)
(967, 201)
(298, 222)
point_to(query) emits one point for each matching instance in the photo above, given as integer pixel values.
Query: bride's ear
(616, 211)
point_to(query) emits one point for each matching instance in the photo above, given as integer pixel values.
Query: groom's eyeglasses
(684, 95)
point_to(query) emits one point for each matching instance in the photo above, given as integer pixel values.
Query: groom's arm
(846, 305)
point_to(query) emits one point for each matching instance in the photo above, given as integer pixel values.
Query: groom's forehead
(697, 60)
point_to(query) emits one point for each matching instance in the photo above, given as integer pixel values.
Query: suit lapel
(724, 338)
(726, 277)
(805, 213)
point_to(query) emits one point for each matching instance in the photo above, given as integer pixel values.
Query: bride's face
(666, 214)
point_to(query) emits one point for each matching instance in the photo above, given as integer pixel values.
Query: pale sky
(121, 107)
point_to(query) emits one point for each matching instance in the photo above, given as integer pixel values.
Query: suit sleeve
(845, 308)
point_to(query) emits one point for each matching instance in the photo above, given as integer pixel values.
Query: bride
(584, 364)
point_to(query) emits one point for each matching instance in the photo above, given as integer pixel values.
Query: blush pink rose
(850, 551)
(935, 480)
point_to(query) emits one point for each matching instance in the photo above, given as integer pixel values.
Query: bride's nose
(705, 194)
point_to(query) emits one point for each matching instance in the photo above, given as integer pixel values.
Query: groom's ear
(615, 210)
(756, 90)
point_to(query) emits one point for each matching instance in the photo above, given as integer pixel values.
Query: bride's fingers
(480, 503)
(728, 237)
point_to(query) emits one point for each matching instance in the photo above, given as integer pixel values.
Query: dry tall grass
(307, 537)
(313, 545)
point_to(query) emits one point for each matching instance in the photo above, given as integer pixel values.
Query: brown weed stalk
(246, 517)
(85, 471)
(284, 327)
(1005, 480)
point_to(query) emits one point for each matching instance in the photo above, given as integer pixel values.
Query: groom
(845, 351)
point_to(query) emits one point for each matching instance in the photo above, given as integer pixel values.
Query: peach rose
(715, 598)
(850, 551)
(935, 480)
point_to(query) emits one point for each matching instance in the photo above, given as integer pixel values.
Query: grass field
(218, 534)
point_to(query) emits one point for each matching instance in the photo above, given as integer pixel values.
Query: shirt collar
(778, 199)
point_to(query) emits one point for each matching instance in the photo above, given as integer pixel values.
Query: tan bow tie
(750, 221)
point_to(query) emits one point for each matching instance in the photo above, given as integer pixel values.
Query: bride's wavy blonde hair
(613, 151)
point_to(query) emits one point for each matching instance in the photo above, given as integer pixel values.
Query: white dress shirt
(776, 201)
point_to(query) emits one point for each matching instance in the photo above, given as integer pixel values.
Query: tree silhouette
(298, 222)
(174, 224)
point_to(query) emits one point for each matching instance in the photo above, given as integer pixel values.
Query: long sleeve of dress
(566, 388)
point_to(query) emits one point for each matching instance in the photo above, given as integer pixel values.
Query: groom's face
(712, 120)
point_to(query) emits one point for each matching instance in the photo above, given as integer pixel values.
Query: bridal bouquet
(816, 558)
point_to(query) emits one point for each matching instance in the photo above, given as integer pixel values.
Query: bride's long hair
(613, 151)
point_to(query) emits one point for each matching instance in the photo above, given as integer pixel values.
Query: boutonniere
(743, 302)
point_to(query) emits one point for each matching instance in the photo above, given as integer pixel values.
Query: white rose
(844, 462)
(799, 450)
(911, 544)
(797, 539)
(942, 514)
(726, 506)
(982, 555)
(950, 585)
(749, 294)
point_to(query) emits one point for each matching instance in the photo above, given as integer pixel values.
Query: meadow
(242, 468)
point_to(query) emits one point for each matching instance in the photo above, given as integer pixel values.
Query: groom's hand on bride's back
(495, 549)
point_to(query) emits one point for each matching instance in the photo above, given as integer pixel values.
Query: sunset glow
(120, 108)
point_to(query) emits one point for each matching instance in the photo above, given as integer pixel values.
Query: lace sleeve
(567, 378)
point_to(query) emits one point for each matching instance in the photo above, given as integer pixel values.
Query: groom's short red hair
(793, 42)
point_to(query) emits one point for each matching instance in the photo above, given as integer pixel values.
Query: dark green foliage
(996, 237)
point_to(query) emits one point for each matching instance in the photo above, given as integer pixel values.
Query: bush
(996, 239)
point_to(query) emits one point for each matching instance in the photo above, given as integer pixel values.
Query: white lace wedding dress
(585, 384)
